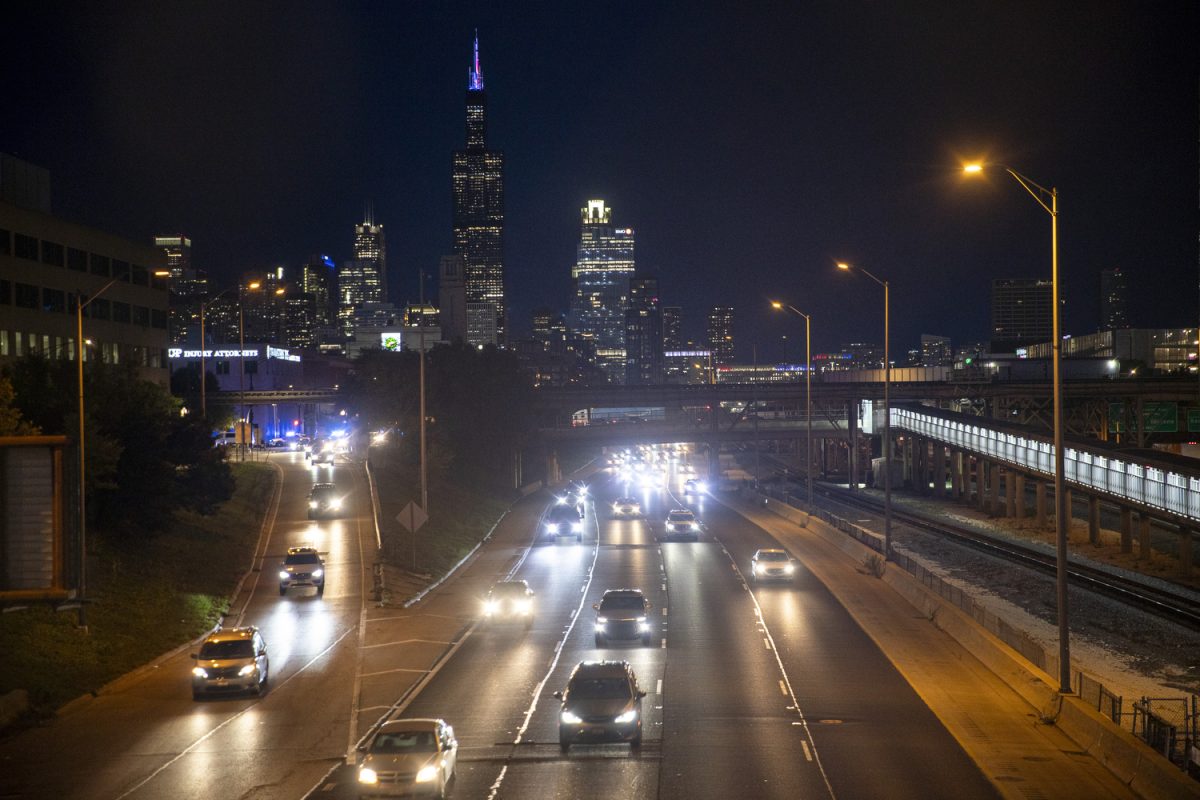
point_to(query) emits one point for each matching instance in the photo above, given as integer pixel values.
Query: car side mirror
(596, 606)
(641, 692)
(195, 656)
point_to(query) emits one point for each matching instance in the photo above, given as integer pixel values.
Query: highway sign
(412, 517)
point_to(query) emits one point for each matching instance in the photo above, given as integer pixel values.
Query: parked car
(601, 703)
(622, 614)
(772, 564)
(231, 660)
(407, 757)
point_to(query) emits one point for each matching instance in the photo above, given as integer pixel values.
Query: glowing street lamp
(780, 306)
(1061, 512)
(887, 408)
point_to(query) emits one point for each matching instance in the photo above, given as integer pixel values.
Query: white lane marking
(782, 688)
(767, 643)
(664, 587)
(664, 644)
(537, 690)
(389, 672)
(807, 753)
(664, 611)
(808, 742)
(232, 719)
(404, 641)
(658, 688)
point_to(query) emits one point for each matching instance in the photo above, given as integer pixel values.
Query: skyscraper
(364, 278)
(603, 265)
(452, 298)
(1022, 311)
(720, 335)
(936, 351)
(189, 288)
(672, 317)
(1114, 300)
(643, 334)
(478, 185)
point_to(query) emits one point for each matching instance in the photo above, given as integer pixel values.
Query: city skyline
(747, 171)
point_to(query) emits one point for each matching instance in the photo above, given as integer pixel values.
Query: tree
(11, 421)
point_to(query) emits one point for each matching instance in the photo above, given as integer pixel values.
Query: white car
(407, 757)
(772, 564)
(627, 507)
(681, 522)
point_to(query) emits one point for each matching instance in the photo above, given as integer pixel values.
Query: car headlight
(367, 775)
(552, 527)
(318, 573)
(701, 487)
(490, 606)
(695, 526)
(562, 501)
(789, 569)
(284, 574)
(628, 716)
(200, 672)
(336, 503)
(570, 717)
(427, 773)
(577, 527)
(757, 567)
(249, 669)
(524, 606)
(313, 503)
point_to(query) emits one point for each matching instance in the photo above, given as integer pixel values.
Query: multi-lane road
(752, 691)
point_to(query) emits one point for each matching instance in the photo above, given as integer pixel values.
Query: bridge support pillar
(939, 471)
(714, 463)
(956, 474)
(1143, 537)
(1126, 530)
(1040, 503)
(1185, 551)
(906, 457)
(926, 465)
(920, 481)
(993, 501)
(852, 445)
(981, 476)
(1010, 492)
(1019, 509)
(553, 471)
(1094, 520)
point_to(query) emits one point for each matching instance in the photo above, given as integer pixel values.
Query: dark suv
(622, 614)
(601, 703)
(324, 501)
(563, 520)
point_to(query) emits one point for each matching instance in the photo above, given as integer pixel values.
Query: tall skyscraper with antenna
(477, 174)
(363, 279)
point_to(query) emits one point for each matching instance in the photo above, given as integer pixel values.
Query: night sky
(751, 145)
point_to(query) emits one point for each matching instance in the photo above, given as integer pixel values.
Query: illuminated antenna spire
(475, 77)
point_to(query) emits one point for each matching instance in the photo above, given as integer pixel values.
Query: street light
(779, 306)
(887, 409)
(80, 344)
(1061, 511)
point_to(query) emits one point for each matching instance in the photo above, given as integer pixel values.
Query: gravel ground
(1131, 652)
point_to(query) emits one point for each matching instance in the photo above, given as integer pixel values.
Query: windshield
(621, 603)
(563, 514)
(242, 648)
(680, 517)
(600, 689)
(303, 558)
(405, 742)
(508, 590)
(776, 556)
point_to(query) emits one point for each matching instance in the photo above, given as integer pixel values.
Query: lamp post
(780, 306)
(1061, 512)
(80, 305)
(887, 408)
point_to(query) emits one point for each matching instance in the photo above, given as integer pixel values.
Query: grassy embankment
(150, 595)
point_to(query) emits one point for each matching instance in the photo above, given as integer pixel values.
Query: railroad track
(1162, 603)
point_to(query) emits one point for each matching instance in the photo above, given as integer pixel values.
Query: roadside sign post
(411, 518)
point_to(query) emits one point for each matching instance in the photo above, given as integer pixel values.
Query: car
(277, 442)
(694, 487)
(411, 757)
(303, 566)
(601, 702)
(682, 523)
(323, 454)
(687, 469)
(324, 500)
(509, 601)
(622, 614)
(627, 507)
(563, 520)
(575, 495)
(231, 660)
(772, 564)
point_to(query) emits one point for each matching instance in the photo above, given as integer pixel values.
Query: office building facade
(644, 365)
(477, 177)
(720, 335)
(1022, 313)
(1114, 300)
(604, 264)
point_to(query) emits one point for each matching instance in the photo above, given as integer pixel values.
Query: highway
(773, 692)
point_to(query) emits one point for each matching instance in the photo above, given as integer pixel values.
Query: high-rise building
(189, 288)
(672, 317)
(1114, 300)
(644, 364)
(550, 329)
(452, 297)
(936, 351)
(363, 279)
(318, 278)
(604, 263)
(1022, 312)
(720, 335)
(477, 176)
